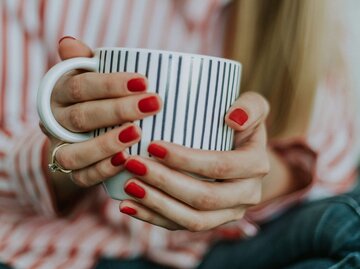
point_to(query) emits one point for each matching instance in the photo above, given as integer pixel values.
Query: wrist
(280, 180)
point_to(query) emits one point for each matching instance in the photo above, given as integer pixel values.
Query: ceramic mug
(196, 90)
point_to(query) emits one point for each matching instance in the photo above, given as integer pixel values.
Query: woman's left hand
(165, 194)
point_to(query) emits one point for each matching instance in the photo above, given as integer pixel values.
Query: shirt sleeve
(24, 186)
(324, 160)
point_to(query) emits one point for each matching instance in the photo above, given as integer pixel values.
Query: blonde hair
(285, 49)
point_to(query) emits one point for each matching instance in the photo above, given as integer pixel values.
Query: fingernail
(135, 190)
(157, 151)
(118, 159)
(239, 116)
(136, 167)
(149, 104)
(65, 37)
(128, 210)
(128, 134)
(136, 85)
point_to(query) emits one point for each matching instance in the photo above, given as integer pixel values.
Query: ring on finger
(54, 166)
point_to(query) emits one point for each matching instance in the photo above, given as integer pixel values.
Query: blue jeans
(316, 235)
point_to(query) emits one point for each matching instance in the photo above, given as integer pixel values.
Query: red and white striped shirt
(31, 234)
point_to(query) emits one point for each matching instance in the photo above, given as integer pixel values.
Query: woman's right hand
(83, 101)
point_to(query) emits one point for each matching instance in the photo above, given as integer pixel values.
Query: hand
(84, 101)
(165, 194)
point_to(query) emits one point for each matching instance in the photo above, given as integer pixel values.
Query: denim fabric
(139, 263)
(316, 235)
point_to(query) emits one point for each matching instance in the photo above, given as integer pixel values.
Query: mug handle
(44, 97)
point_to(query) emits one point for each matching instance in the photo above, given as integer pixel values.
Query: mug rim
(169, 52)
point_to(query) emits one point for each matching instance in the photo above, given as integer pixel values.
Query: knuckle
(254, 192)
(65, 160)
(75, 88)
(220, 168)
(263, 167)
(238, 213)
(196, 225)
(160, 181)
(110, 84)
(105, 146)
(259, 99)
(80, 180)
(102, 171)
(77, 119)
(157, 207)
(120, 112)
(206, 201)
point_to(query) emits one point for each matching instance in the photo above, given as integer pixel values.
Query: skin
(249, 175)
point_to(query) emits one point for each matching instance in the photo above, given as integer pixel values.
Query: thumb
(247, 112)
(69, 47)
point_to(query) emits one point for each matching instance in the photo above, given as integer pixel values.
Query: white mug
(196, 90)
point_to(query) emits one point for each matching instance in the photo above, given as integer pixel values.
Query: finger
(100, 171)
(92, 86)
(244, 163)
(87, 116)
(80, 155)
(256, 137)
(140, 212)
(178, 212)
(201, 195)
(69, 47)
(247, 111)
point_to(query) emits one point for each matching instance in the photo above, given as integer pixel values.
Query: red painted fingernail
(136, 85)
(135, 190)
(149, 104)
(128, 210)
(65, 37)
(118, 159)
(157, 151)
(128, 134)
(239, 116)
(136, 167)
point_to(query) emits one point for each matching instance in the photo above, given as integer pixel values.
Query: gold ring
(54, 166)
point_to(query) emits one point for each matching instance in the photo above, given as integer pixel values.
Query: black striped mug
(196, 90)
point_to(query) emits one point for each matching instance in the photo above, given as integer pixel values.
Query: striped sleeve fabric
(324, 160)
(23, 184)
(23, 178)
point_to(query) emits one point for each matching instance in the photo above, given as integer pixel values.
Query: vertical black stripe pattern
(210, 89)
(206, 105)
(196, 102)
(125, 69)
(220, 107)
(158, 77)
(146, 75)
(137, 62)
(168, 78)
(214, 105)
(118, 61)
(105, 54)
(126, 59)
(111, 61)
(223, 140)
(176, 99)
(100, 60)
(188, 100)
(233, 91)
